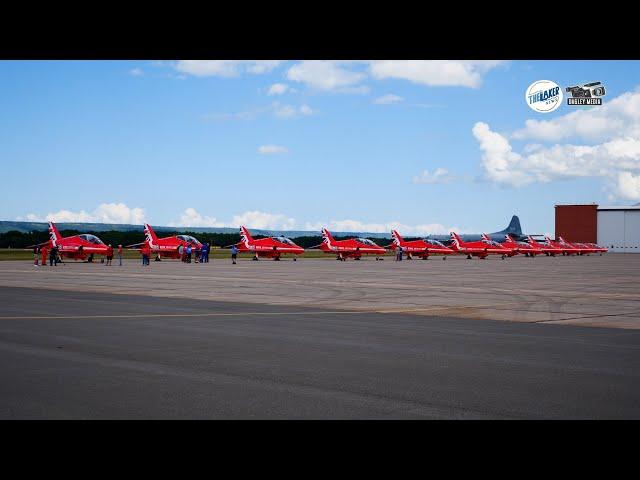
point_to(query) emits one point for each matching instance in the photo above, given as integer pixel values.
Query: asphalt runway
(89, 355)
(597, 291)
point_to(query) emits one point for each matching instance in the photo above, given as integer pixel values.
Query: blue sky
(341, 144)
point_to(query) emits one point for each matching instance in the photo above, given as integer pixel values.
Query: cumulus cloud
(272, 149)
(388, 99)
(614, 160)
(263, 221)
(440, 175)
(225, 68)
(628, 186)
(605, 143)
(617, 117)
(251, 219)
(278, 89)
(386, 227)
(104, 213)
(326, 75)
(191, 218)
(457, 73)
(136, 72)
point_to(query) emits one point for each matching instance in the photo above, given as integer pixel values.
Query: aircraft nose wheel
(295, 259)
(468, 257)
(444, 258)
(503, 257)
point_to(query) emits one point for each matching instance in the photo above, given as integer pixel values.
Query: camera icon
(587, 90)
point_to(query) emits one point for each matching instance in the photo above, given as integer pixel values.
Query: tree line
(16, 239)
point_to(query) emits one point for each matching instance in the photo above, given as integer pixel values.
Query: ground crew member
(146, 253)
(53, 257)
(44, 256)
(188, 252)
(36, 254)
(234, 253)
(109, 254)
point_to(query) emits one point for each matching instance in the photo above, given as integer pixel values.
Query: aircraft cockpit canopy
(87, 237)
(283, 239)
(491, 242)
(366, 241)
(434, 242)
(188, 239)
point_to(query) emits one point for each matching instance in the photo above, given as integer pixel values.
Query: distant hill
(25, 227)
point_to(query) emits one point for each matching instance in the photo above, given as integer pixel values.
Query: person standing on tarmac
(36, 255)
(109, 254)
(53, 257)
(234, 254)
(181, 253)
(120, 254)
(188, 252)
(146, 253)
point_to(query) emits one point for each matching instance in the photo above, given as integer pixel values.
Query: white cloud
(619, 116)
(277, 109)
(104, 213)
(278, 89)
(250, 219)
(136, 72)
(628, 186)
(388, 99)
(544, 164)
(225, 68)
(290, 111)
(326, 75)
(461, 73)
(357, 226)
(272, 149)
(440, 175)
(263, 221)
(611, 149)
(191, 218)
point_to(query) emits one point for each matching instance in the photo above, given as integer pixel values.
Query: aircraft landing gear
(255, 258)
(295, 259)
(444, 257)
(503, 257)
(468, 257)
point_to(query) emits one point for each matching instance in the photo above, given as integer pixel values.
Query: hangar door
(619, 230)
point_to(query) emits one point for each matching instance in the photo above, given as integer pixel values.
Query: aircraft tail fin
(397, 239)
(54, 234)
(326, 236)
(245, 236)
(457, 241)
(149, 235)
(514, 226)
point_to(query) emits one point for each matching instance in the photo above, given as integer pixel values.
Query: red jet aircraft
(545, 247)
(353, 247)
(521, 247)
(584, 248)
(566, 247)
(597, 248)
(270, 247)
(420, 248)
(77, 247)
(168, 246)
(480, 249)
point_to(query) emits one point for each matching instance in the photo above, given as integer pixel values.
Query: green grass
(18, 254)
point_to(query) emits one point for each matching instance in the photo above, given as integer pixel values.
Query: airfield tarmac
(599, 291)
(323, 339)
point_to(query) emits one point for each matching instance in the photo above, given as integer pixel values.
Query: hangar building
(617, 228)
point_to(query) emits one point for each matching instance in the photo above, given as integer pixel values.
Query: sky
(420, 146)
